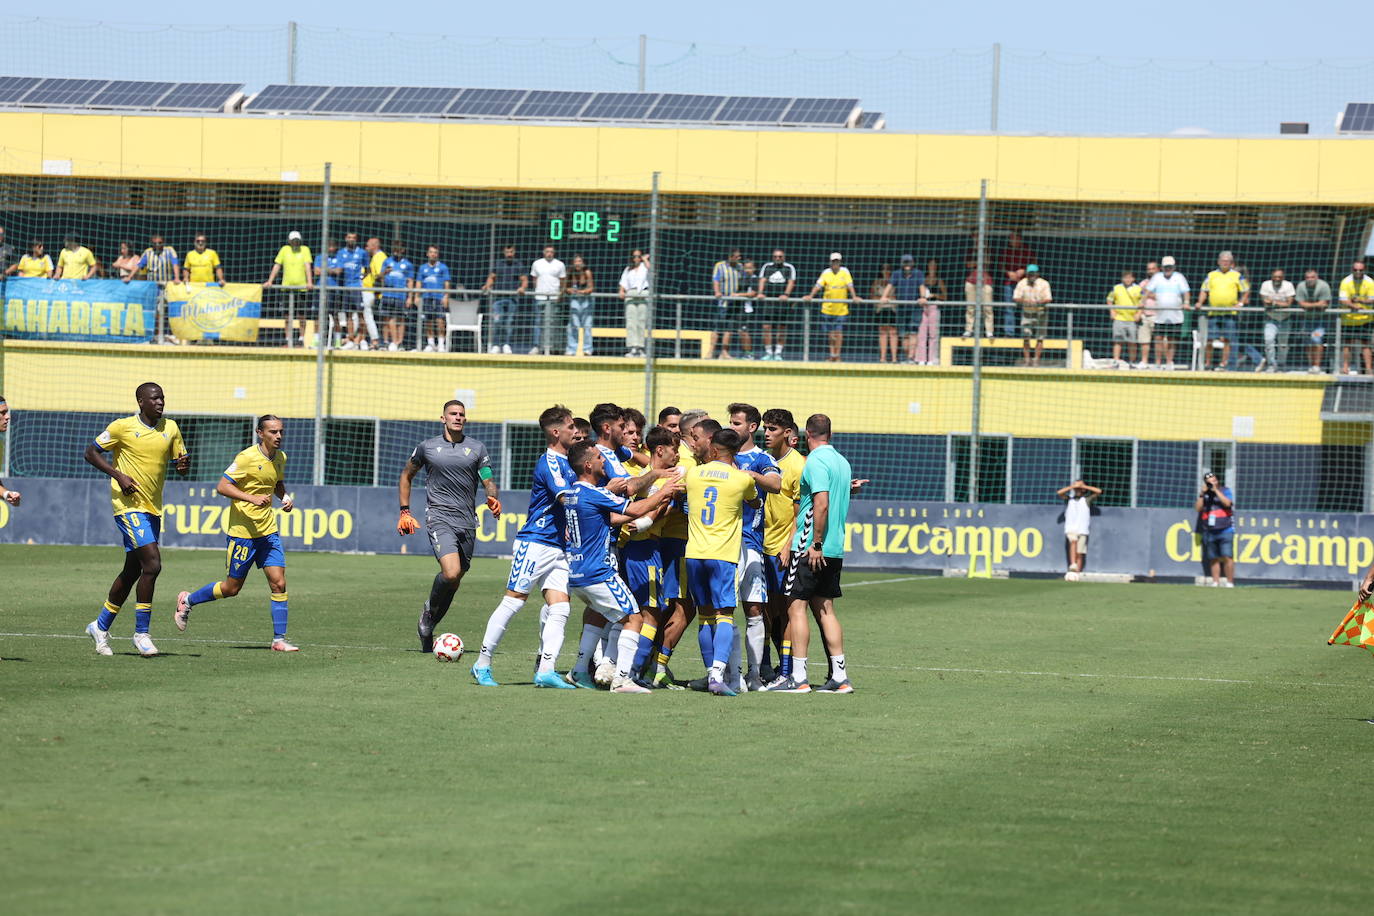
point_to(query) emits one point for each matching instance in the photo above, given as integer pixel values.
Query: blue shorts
(138, 529)
(712, 583)
(673, 568)
(642, 573)
(774, 572)
(1219, 326)
(245, 552)
(832, 324)
(1217, 543)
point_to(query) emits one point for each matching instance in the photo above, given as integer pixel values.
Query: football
(448, 647)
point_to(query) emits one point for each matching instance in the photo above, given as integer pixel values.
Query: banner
(103, 311)
(1147, 543)
(205, 311)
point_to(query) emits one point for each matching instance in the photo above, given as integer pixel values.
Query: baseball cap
(293, 236)
(1168, 261)
(1032, 268)
(908, 259)
(836, 256)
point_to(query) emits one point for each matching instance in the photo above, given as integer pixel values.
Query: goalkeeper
(454, 465)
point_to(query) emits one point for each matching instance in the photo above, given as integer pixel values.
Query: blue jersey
(614, 468)
(353, 261)
(590, 532)
(545, 519)
(433, 276)
(324, 263)
(760, 462)
(399, 273)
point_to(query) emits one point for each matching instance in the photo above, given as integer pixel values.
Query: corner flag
(1357, 629)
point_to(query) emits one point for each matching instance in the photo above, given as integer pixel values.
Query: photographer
(1216, 515)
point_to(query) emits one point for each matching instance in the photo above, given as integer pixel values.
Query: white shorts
(537, 566)
(753, 581)
(611, 599)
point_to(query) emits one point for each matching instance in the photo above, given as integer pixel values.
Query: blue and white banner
(103, 311)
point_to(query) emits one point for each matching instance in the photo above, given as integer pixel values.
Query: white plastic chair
(465, 317)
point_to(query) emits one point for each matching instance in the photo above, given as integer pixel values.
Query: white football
(448, 647)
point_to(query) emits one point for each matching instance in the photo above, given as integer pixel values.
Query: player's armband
(484, 473)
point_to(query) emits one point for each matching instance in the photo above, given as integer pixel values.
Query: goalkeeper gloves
(494, 506)
(407, 523)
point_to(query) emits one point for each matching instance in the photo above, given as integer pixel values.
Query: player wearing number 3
(255, 476)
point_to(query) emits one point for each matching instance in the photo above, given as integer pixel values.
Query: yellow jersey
(716, 493)
(29, 266)
(1127, 302)
(200, 266)
(76, 265)
(142, 452)
(780, 508)
(257, 475)
(835, 291)
(1225, 289)
(373, 275)
(1362, 300)
(675, 522)
(295, 265)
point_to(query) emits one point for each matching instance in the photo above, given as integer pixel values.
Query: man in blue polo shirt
(398, 272)
(434, 275)
(352, 262)
(1216, 517)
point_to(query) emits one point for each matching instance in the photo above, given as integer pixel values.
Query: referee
(454, 464)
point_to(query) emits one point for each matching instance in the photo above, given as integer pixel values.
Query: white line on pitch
(886, 581)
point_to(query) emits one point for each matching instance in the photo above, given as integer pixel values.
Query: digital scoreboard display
(594, 225)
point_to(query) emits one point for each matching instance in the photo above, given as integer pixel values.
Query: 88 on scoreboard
(593, 225)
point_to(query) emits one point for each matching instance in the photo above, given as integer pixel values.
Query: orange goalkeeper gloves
(407, 523)
(494, 506)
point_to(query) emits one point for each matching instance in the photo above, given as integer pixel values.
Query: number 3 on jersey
(708, 514)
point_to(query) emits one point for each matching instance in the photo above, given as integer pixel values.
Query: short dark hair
(708, 426)
(448, 404)
(578, 454)
(267, 417)
(660, 435)
(780, 417)
(667, 412)
(633, 416)
(727, 439)
(553, 416)
(818, 426)
(584, 426)
(603, 414)
(751, 413)
(141, 390)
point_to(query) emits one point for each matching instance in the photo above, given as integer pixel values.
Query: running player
(753, 584)
(142, 446)
(592, 514)
(780, 519)
(454, 465)
(256, 475)
(539, 560)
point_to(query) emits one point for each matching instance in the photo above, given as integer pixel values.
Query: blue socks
(724, 638)
(647, 632)
(107, 616)
(143, 616)
(207, 592)
(706, 637)
(279, 615)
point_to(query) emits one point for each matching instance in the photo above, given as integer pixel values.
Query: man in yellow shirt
(672, 552)
(372, 276)
(717, 493)
(34, 265)
(780, 519)
(837, 291)
(202, 263)
(1125, 301)
(1226, 291)
(1356, 294)
(254, 476)
(141, 446)
(293, 262)
(76, 261)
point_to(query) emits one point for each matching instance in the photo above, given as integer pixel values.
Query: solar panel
(130, 94)
(64, 92)
(752, 109)
(278, 97)
(354, 99)
(420, 100)
(620, 106)
(871, 120)
(12, 88)
(545, 103)
(1358, 117)
(200, 96)
(832, 112)
(489, 103)
(685, 108)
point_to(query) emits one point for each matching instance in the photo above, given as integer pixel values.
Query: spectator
(1313, 296)
(353, 263)
(202, 263)
(506, 281)
(1168, 294)
(1078, 516)
(973, 286)
(328, 274)
(1215, 509)
(1033, 294)
(75, 261)
(550, 279)
(921, 317)
(372, 278)
(7, 259)
(1246, 322)
(1227, 292)
(1016, 258)
(127, 262)
(1145, 334)
(35, 264)
(884, 313)
(838, 287)
(776, 284)
(634, 290)
(1125, 301)
(159, 263)
(293, 264)
(398, 276)
(434, 278)
(748, 294)
(727, 278)
(1277, 295)
(581, 307)
(1357, 294)
(938, 291)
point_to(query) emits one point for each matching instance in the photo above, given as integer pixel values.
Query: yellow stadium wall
(697, 160)
(1050, 403)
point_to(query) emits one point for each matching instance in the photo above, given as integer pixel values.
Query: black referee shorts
(805, 583)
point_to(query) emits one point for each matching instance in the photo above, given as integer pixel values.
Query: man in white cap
(837, 288)
(1167, 293)
(293, 263)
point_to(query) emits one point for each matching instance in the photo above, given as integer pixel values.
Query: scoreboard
(586, 225)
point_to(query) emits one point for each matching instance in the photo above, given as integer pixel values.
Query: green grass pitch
(1012, 747)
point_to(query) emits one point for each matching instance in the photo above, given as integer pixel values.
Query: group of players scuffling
(647, 528)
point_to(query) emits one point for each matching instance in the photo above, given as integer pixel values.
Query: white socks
(625, 650)
(837, 669)
(551, 634)
(798, 669)
(610, 640)
(496, 628)
(591, 635)
(756, 635)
